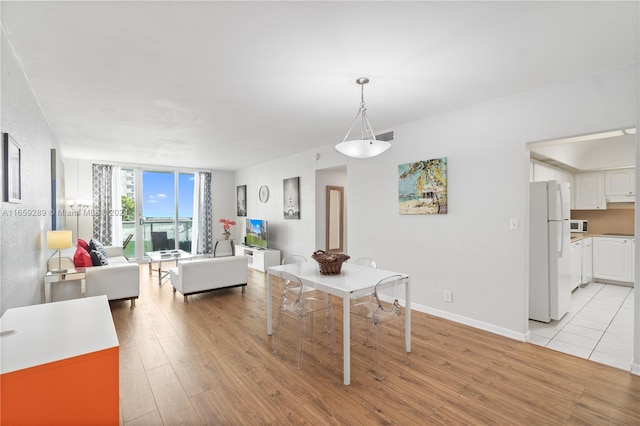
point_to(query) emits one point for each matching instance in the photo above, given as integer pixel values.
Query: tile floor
(599, 326)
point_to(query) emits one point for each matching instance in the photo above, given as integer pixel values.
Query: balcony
(158, 225)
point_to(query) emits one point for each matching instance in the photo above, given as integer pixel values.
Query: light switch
(514, 224)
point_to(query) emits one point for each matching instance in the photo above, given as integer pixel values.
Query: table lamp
(59, 240)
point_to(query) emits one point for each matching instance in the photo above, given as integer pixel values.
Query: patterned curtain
(204, 214)
(102, 203)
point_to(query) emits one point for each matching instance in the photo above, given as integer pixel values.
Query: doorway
(600, 324)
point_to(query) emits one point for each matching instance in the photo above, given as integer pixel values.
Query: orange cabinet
(60, 364)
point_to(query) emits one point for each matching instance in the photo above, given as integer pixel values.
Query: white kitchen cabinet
(620, 185)
(633, 260)
(589, 191)
(613, 258)
(576, 264)
(587, 260)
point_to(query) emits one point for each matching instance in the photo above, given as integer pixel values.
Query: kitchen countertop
(576, 236)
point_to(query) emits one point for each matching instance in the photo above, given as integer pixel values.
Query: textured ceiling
(225, 85)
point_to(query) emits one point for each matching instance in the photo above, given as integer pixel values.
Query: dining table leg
(346, 339)
(407, 314)
(269, 305)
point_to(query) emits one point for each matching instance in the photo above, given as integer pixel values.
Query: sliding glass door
(185, 195)
(158, 210)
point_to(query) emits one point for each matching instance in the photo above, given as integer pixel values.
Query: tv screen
(257, 233)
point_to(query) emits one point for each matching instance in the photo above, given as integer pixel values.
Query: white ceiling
(224, 85)
(588, 155)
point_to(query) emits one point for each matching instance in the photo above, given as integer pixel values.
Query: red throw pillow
(82, 243)
(81, 258)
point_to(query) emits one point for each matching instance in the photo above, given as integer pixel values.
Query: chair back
(293, 258)
(159, 241)
(366, 261)
(292, 288)
(126, 241)
(392, 282)
(224, 248)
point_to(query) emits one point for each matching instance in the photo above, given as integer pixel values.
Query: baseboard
(635, 369)
(523, 337)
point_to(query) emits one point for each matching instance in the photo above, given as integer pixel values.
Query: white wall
(289, 236)
(223, 195)
(469, 251)
(23, 252)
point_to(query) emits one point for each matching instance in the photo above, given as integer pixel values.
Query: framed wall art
(291, 198)
(422, 187)
(12, 163)
(241, 200)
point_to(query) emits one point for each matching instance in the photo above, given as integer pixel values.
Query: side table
(73, 274)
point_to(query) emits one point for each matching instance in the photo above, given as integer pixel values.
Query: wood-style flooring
(210, 362)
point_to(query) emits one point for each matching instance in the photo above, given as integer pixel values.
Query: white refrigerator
(549, 251)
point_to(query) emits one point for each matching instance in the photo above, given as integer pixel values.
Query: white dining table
(353, 282)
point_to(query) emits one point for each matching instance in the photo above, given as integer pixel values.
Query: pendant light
(367, 145)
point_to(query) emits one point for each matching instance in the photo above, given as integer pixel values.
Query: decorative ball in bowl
(330, 263)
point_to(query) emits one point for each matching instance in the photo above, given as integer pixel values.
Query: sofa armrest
(114, 251)
(121, 281)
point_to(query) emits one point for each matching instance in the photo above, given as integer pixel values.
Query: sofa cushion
(85, 245)
(98, 259)
(98, 246)
(81, 258)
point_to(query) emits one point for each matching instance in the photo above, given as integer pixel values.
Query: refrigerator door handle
(559, 189)
(561, 252)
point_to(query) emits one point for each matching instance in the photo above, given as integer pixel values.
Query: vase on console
(226, 225)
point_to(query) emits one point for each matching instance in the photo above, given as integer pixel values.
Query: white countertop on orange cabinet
(55, 331)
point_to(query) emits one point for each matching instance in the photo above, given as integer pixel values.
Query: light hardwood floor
(211, 362)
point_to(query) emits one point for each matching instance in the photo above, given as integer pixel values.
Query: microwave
(578, 225)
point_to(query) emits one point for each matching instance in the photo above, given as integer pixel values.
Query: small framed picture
(291, 192)
(12, 162)
(241, 200)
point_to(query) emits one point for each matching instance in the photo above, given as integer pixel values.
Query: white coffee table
(163, 256)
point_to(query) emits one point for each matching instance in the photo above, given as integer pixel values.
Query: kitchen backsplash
(617, 219)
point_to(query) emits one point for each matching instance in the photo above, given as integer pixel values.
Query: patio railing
(158, 225)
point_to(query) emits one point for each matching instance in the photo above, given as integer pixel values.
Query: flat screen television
(257, 233)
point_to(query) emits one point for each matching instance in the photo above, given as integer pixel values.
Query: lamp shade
(362, 148)
(58, 239)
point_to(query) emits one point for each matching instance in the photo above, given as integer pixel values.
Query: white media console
(259, 259)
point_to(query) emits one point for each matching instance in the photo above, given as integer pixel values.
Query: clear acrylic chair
(298, 258)
(366, 261)
(369, 263)
(293, 258)
(377, 312)
(302, 306)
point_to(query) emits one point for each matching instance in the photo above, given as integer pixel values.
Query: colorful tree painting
(422, 187)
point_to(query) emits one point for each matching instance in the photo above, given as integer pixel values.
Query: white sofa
(200, 275)
(119, 280)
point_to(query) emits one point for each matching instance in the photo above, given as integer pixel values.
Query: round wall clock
(264, 194)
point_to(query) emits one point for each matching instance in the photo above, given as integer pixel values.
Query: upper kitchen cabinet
(620, 185)
(589, 191)
(597, 160)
